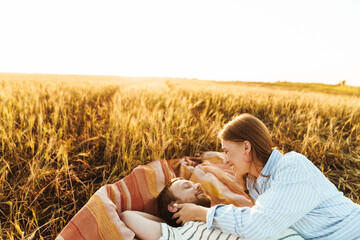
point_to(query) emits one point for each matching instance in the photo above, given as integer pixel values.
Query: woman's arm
(144, 225)
(291, 196)
(190, 212)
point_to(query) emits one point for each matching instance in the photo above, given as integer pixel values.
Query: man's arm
(145, 226)
(149, 216)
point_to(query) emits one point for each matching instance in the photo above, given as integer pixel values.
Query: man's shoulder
(186, 225)
(182, 232)
(193, 224)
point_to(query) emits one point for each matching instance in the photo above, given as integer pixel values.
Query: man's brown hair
(165, 197)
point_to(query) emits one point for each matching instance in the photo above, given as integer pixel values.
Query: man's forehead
(179, 183)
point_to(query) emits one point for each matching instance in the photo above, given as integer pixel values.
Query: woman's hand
(190, 212)
(192, 161)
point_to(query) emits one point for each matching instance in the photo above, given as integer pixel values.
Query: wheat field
(64, 136)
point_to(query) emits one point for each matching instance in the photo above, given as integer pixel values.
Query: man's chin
(203, 200)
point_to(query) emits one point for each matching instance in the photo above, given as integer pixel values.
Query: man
(178, 191)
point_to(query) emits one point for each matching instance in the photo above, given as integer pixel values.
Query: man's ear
(172, 208)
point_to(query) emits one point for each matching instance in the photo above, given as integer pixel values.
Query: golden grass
(63, 136)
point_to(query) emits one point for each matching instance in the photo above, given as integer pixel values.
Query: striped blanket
(99, 217)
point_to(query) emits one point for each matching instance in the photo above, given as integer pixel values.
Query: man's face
(189, 192)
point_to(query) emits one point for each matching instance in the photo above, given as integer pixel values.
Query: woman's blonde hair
(246, 127)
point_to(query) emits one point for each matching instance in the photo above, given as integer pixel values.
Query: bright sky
(270, 40)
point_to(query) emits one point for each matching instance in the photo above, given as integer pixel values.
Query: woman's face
(237, 156)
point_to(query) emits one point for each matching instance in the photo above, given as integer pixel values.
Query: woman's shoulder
(295, 160)
(294, 167)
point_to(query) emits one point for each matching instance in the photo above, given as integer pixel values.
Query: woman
(288, 190)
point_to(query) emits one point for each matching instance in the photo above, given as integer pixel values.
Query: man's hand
(190, 212)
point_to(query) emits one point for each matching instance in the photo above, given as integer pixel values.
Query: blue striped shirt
(295, 194)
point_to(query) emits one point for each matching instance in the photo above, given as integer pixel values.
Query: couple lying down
(170, 200)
